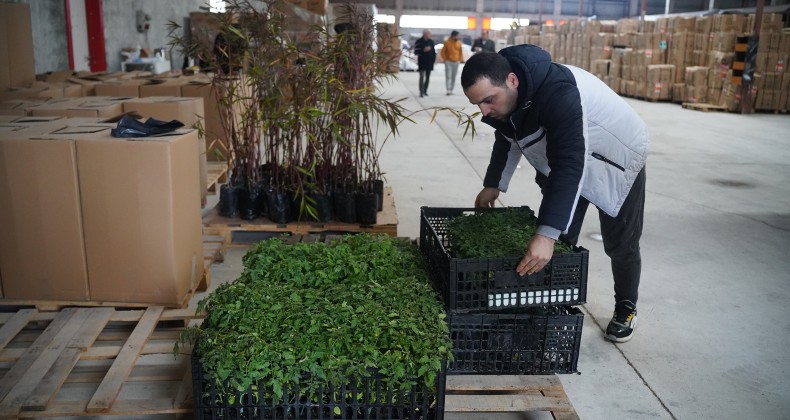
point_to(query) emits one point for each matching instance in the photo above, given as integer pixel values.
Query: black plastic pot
(249, 202)
(344, 206)
(228, 201)
(367, 208)
(378, 188)
(279, 204)
(323, 205)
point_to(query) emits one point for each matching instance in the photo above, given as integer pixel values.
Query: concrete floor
(714, 309)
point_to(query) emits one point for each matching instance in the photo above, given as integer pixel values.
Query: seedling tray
(519, 344)
(477, 285)
(363, 398)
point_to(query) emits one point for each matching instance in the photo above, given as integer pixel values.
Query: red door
(95, 20)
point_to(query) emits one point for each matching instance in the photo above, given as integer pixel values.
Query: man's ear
(513, 80)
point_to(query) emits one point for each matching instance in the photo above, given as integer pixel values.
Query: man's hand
(539, 252)
(487, 198)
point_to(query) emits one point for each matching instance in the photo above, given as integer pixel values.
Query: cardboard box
(216, 142)
(775, 62)
(768, 100)
(697, 76)
(660, 78)
(142, 221)
(21, 127)
(770, 40)
(601, 67)
(19, 107)
(37, 90)
(713, 96)
(169, 86)
(42, 252)
(678, 92)
(772, 21)
(716, 78)
(616, 70)
(127, 87)
(701, 41)
(682, 24)
(758, 81)
(696, 94)
(188, 110)
(166, 108)
(17, 66)
(88, 86)
(784, 43)
(773, 80)
(723, 41)
(731, 97)
(91, 106)
(627, 26)
(704, 25)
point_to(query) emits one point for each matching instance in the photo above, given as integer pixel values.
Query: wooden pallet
(93, 361)
(217, 174)
(213, 251)
(704, 107)
(242, 232)
(507, 393)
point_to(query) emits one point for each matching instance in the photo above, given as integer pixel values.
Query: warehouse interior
(87, 329)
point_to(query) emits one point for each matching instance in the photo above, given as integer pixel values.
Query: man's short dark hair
(485, 64)
(453, 33)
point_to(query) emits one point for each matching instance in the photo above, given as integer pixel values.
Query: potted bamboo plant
(302, 119)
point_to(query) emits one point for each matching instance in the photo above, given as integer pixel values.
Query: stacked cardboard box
(88, 217)
(696, 84)
(701, 42)
(389, 46)
(166, 108)
(659, 82)
(44, 90)
(772, 54)
(104, 107)
(187, 110)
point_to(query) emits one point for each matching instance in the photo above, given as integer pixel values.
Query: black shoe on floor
(621, 327)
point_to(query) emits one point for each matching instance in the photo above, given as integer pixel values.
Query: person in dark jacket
(483, 44)
(426, 56)
(586, 144)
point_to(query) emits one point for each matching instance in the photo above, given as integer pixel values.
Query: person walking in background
(426, 56)
(587, 145)
(452, 54)
(483, 44)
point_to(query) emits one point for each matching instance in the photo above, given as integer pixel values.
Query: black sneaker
(623, 322)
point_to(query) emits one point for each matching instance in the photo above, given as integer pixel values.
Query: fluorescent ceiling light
(504, 23)
(434, 22)
(384, 18)
(217, 6)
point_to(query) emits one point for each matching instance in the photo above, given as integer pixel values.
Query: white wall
(120, 26)
(48, 22)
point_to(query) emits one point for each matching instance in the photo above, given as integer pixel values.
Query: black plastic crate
(476, 285)
(522, 344)
(334, 402)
